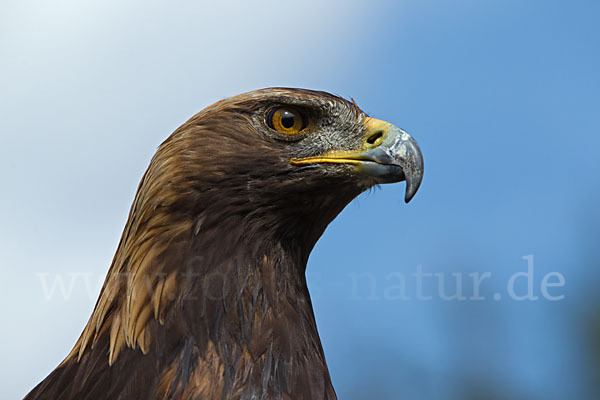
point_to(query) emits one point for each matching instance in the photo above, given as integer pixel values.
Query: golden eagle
(206, 297)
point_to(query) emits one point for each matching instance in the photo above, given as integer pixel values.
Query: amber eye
(286, 120)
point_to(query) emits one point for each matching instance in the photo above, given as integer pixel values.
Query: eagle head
(283, 159)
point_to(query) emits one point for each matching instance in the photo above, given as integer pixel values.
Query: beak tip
(412, 186)
(408, 196)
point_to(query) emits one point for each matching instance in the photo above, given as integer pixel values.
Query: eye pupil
(287, 119)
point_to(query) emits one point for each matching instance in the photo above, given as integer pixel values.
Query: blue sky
(503, 97)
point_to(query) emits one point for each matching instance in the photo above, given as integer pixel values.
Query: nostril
(374, 137)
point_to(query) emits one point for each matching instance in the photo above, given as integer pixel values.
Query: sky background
(503, 97)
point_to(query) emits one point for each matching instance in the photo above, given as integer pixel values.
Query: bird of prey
(206, 297)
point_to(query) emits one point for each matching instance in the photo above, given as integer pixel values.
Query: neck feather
(219, 316)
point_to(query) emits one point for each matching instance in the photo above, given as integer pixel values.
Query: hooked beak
(388, 154)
